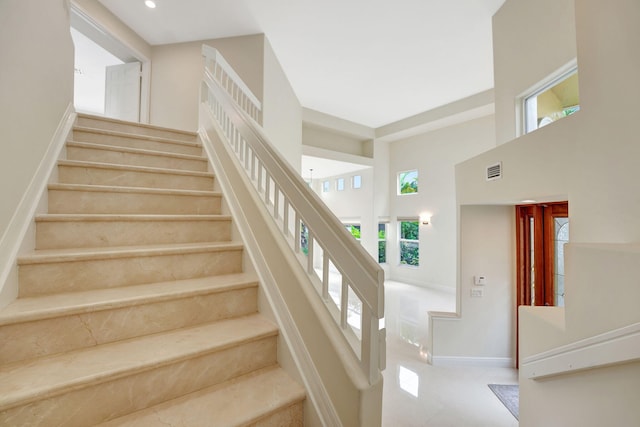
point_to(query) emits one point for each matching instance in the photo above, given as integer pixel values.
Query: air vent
(494, 171)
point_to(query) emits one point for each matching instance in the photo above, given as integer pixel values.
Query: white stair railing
(354, 295)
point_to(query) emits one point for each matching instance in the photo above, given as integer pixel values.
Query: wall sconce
(425, 219)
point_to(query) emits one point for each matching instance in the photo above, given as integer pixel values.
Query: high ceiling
(372, 62)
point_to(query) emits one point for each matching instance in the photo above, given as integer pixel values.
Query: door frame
(82, 21)
(542, 215)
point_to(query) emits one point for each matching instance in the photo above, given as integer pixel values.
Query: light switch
(476, 293)
(479, 280)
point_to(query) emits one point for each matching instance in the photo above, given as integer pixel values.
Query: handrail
(227, 77)
(296, 208)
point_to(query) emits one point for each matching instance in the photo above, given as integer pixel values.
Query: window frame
(523, 118)
(385, 240)
(399, 182)
(340, 184)
(353, 182)
(405, 240)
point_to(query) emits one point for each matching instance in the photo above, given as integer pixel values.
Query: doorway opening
(110, 79)
(542, 230)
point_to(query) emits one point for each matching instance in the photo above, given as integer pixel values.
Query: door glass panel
(561, 233)
(533, 259)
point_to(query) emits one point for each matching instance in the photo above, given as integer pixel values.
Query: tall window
(409, 243)
(325, 186)
(408, 182)
(382, 243)
(356, 182)
(554, 100)
(340, 184)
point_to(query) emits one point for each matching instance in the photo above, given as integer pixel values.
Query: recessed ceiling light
(150, 4)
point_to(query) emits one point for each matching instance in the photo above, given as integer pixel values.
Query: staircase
(134, 309)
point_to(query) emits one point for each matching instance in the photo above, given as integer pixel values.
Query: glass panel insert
(561, 233)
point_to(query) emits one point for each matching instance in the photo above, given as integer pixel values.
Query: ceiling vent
(494, 171)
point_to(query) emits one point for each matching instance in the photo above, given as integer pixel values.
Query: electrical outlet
(477, 293)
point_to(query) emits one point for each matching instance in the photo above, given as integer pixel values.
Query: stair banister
(283, 190)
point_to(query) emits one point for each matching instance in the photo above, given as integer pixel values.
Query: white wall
(434, 155)
(354, 206)
(36, 87)
(485, 333)
(282, 113)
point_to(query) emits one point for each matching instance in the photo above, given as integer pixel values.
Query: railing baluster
(267, 188)
(297, 232)
(276, 201)
(310, 251)
(285, 217)
(344, 303)
(325, 275)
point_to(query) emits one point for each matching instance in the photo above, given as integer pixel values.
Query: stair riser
(133, 128)
(88, 154)
(124, 178)
(132, 142)
(293, 416)
(100, 402)
(86, 234)
(28, 340)
(96, 202)
(82, 275)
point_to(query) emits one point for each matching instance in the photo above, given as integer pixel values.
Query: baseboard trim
(22, 218)
(484, 362)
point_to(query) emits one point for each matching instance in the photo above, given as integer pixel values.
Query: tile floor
(417, 394)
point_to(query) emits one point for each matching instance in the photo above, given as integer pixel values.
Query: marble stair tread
(240, 402)
(116, 166)
(119, 189)
(106, 147)
(112, 123)
(71, 303)
(44, 256)
(42, 378)
(128, 217)
(133, 135)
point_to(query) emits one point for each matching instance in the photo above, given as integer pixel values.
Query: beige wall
(531, 40)
(282, 113)
(36, 87)
(114, 26)
(176, 76)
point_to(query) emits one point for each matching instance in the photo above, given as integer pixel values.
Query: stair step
(84, 231)
(92, 173)
(132, 140)
(30, 327)
(94, 199)
(72, 270)
(268, 398)
(106, 123)
(100, 153)
(89, 386)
